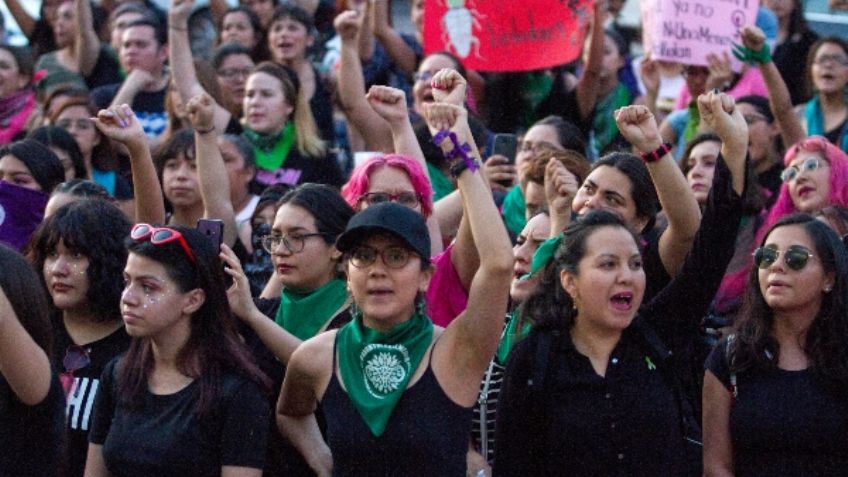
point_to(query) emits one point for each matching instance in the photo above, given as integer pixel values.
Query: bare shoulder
(314, 356)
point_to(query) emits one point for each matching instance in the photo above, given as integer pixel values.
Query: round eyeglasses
(809, 165)
(364, 256)
(294, 243)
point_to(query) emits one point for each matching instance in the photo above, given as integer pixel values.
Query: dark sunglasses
(161, 236)
(795, 257)
(76, 358)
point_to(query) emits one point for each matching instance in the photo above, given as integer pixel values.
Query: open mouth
(622, 301)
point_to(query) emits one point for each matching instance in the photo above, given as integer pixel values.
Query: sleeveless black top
(427, 434)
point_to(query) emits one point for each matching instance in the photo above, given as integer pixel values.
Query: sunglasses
(161, 236)
(795, 257)
(76, 358)
(408, 199)
(393, 257)
(790, 173)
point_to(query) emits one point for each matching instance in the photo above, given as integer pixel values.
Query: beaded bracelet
(459, 153)
(657, 153)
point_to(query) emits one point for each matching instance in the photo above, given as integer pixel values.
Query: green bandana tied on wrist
(304, 314)
(271, 150)
(747, 55)
(376, 367)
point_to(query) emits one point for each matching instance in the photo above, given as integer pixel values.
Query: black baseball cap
(389, 217)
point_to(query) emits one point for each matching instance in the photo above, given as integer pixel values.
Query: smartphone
(213, 229)
(505, 145)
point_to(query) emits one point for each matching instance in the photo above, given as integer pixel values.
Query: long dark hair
(213, 347)
(550, 307)
(26, 295)
(43, 165)
(95, 229)
(754, 347)
(325, 204)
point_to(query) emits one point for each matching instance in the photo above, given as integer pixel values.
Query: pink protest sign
(686, 31)
(505, 35)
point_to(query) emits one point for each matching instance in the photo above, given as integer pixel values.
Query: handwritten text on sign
(505, 35)
(686, 31)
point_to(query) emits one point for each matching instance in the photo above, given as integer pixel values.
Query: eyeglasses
(76, 358)
(393, 257)
(424, 75)
(294, 243)
(835, 59)
(230, 73)
(809, 165)
(408, 199)
(753, 118)
(161, 236)
(795, 257)
(80, 123)
(537, 147)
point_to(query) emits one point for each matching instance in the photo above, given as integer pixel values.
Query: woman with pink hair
(815, 176)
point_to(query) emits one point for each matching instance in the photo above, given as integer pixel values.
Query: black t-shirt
(321, 105)
(162, 435)
(298, 169)
(783, 422)
(80, 401)
(790, 58)
(30, 436)
(106, 70)
(149, 107)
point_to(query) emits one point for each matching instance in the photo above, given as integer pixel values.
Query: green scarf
(304, 314)
(376, 367)
(512, 210)
(442, 186)
(815, 121)
(603, 121)
(512, 335)
(692, 123)
(271, 150)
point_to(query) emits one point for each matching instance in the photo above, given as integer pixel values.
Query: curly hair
(95, 229)
(575, 162)
(825, 340)
(550, 307)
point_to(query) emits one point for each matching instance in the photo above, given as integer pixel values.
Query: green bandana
(693, 122)
(442, 186)
(603, 121)
(544, 254)
(512, 335)
(304, 314)
(271, 150)
(512, 210)
(376, 367)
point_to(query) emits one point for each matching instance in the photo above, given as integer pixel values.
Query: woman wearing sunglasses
(400, 403)
(80, 253)
(774, 391)
(187, 398)
(31, 401)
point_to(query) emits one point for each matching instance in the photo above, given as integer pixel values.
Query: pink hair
(733, 285)
(359, 180)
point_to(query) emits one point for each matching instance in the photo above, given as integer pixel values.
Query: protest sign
(502, 35)
(686, 31)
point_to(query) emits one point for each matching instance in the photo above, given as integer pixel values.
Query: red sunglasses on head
(161, 236)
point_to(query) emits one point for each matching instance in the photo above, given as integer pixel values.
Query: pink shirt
(751, 82)
(446, 297)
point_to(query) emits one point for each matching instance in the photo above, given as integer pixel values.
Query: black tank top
(427, 434)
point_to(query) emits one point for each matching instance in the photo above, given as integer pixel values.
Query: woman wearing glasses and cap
(79, 250)
(187, 398)
(774, 391)
(31, 401)
(396, 390)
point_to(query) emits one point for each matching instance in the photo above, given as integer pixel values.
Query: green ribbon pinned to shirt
(271, 150)
(376, 367)
(304, 314)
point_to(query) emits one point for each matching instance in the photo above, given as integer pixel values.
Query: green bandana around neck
(304, 314)
(376, 367)
(512, 335)
(271, 150)
(513, 211)
(603, 121)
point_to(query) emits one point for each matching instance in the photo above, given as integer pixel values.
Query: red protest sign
(505, 35)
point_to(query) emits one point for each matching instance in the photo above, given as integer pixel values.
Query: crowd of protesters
(277, 238)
